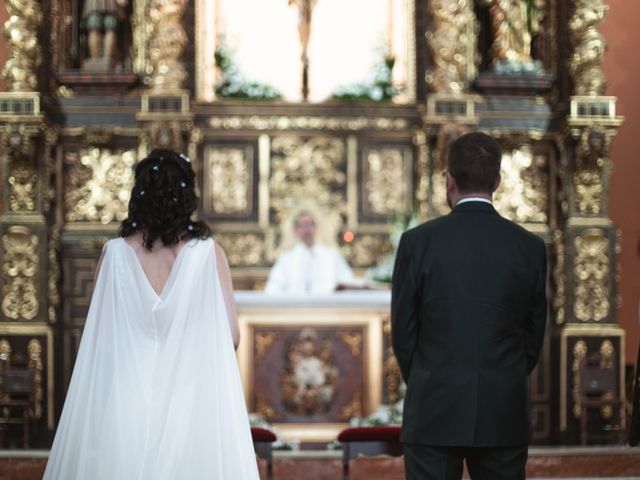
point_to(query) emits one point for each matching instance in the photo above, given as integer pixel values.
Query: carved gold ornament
(276, 122)
(365, 250)
(242, 249)
(54, 273)
(352, 409)
(229, 180)
(385, 182)
(23, 182)
(589, 47)
(559, 277)
(99, 185)
(522, 195)
(589, 191)
(579, 356)
(166, 44)
(591, 272)
(452, 37)
(20, 274)
(21, 32)
(35, 362)
(264, 340)
(353, 341)
(307, 169)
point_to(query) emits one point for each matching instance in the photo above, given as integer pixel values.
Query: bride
(156, 391)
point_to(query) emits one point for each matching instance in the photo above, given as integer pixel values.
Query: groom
(468, 316)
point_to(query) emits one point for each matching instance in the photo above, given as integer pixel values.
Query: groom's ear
(497, 183)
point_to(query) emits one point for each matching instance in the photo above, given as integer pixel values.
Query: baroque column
(28, 263)
(587, 249)
(165, 113)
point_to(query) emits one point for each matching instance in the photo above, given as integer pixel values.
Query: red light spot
(348, 237)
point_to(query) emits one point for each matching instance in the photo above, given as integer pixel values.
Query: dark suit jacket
(468, 315)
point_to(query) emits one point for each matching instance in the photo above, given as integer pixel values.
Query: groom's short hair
(474, 161)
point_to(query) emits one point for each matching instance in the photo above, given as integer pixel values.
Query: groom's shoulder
(428, 227)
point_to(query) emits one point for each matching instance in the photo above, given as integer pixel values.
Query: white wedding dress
(155, 392)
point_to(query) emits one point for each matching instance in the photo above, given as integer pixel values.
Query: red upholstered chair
(262, 440)
(368, 441)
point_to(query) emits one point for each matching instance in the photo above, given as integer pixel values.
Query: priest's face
(306, 229)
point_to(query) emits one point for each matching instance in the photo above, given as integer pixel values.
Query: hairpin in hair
(183, 184)
(141, 193)
(190, 227)
(185, 158)
(134, 224)
(156, 167)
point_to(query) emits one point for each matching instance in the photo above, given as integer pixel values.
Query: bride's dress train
(156, 391)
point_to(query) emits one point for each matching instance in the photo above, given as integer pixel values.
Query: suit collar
(474, 207)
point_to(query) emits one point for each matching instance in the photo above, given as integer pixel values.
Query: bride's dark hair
(163, 200)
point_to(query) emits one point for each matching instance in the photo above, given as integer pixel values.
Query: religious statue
(102, 19)
(514, 24)
(305, 12)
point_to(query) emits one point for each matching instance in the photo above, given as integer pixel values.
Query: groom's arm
(403, 308)
(537, 320)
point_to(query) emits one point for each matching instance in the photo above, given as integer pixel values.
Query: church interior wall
(622, 70)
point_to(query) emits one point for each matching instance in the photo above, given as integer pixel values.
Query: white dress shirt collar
(474, 199)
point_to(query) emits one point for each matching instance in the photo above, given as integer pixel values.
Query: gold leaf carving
(264, 408)
(366, 250)
(166, 44)
(589, 190)
(21, 32)
(35, 361)
(274, 122)
(229, 180)
(353, 341)
(242, 249)
(307, 169)
(22, 188)
(99, 185)
(264, 340)
(579, 356)
(20, 274)
(589, 47)
(452, 35)
(591, 276)
(385, 183)
(522, 195)
(351, 409)
(559, 277)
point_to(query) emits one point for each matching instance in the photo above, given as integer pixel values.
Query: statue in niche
(103, 22)
(514, 24)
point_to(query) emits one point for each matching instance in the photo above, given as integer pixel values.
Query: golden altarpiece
(87, 96)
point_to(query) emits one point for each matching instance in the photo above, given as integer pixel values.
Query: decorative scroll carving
(308, 384)
(20, 274)
(589, 47)
(589, 190)
(385, 182)
(275, 122)
(35, 362)
(99, 185)
(264, 408)
(54, 273)
(352, 409)
(302, 169)
(559, 277)
(264, 340)
(229, 177)
(390, 369)
(452, 37)
(23, 182)
(522, 196)
(353, 341)
(591, 272)
(5, 351)
(166, 44)
(366, 250)
(21, 32)
(579, 356)
(242, 249)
